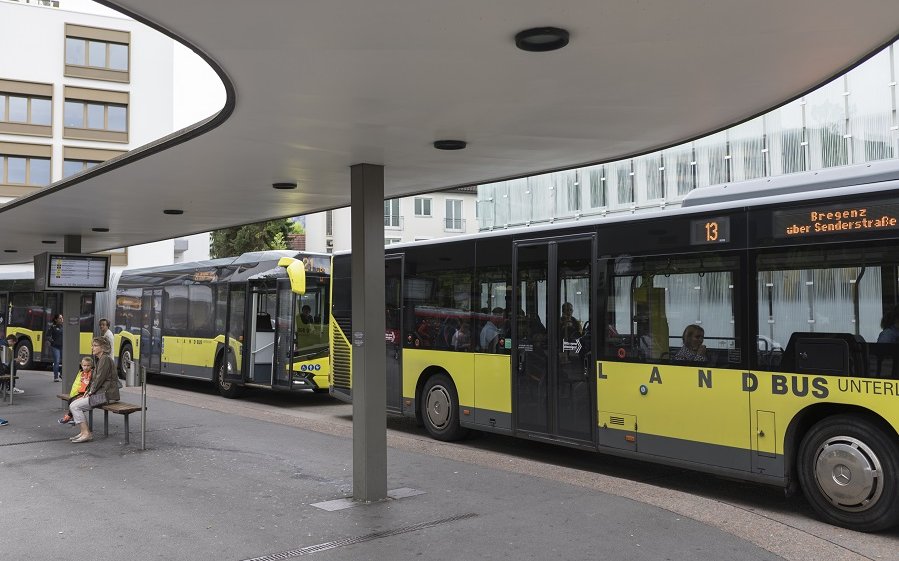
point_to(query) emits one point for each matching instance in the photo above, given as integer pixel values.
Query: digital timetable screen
(77, 272)
(710, 231)
(835, 219)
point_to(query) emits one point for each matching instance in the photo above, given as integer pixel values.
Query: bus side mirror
(296, 272)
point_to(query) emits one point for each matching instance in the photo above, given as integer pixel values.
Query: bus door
(261, 335)
(236, 328)
(551, 337)
(151, 329)
(285, 337)
(393, 297)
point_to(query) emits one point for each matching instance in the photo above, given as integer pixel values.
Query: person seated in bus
(693, 350)
(569, 326)
(306, 315)
(448, 332)
(490, 332)
(462, 338)
(890, 326)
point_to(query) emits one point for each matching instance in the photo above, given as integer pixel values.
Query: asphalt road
(785, 526)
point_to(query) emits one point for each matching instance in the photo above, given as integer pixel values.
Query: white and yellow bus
(572, 333)
(238, 322)
(27, 315)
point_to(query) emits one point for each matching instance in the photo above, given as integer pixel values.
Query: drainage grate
(359, 539)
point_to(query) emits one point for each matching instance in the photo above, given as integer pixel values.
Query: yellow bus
(237, 322)
(27, 315)
(751, 337)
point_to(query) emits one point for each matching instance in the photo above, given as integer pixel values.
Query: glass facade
(850, 120)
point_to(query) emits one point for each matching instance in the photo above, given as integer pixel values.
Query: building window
(391, 241)
(453, 221)
(392, 214)
(71, 167)
(329, 222)
(95, 115)
(24, 170)
(422, 206)
(101, 54)
(26, 108)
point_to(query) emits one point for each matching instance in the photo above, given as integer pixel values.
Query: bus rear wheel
(849, 472)
(24, 355)
(226, 389)
(440, 409)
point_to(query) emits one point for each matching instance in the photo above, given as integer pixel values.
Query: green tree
(261, 236)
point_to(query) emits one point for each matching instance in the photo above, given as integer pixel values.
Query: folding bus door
(552, 381)
(151, 330)
(285, 322)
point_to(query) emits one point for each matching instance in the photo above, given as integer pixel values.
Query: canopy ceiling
(317, 86)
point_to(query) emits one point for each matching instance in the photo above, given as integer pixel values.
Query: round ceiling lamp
(284, 185)
(450, 144)
(541, 39)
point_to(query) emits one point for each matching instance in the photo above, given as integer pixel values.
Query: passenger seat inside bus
(264, 322)
(834, 354)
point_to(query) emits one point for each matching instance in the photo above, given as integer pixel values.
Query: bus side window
(264, 322)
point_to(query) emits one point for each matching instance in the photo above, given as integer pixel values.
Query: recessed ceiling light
(100, 229)
(48, 241)
(173, 211)
(10, 251)
(450, 144)
(541, 39)
(285, 185)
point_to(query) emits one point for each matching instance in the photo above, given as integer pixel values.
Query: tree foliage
(261, 236)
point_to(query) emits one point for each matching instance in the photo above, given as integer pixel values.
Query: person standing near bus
(107, 333)
(54, 337)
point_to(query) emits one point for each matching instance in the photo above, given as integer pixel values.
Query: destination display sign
(835, 219)
(710, 231)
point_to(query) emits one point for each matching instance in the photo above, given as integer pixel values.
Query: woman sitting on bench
(104, 383)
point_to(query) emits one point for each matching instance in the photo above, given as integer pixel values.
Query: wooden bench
(118, 407)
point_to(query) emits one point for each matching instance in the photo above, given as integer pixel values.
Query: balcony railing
(453, 225)
(393, 222)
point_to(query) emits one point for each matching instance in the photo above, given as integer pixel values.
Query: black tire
(849, 472)
(440, 409)
(226, 389)
(24, 355)
(126, 357)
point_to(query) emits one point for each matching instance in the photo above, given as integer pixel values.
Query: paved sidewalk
(217, 486)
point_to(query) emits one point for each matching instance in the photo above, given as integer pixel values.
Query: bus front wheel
(125, 359)
(849, 472)
(440, 409)
(24, 355)
(226, 389)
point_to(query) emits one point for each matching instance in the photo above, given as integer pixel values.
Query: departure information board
(77, 272)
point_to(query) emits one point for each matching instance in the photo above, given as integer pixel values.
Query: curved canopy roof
(315, 87)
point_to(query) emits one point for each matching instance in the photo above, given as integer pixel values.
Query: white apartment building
(77, 89)
(422, 217)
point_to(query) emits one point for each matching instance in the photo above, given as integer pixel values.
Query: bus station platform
(220, 480)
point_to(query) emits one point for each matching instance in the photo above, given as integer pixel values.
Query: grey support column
(369, 359)
(71, 330)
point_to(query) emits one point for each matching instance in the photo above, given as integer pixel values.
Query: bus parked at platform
(27, 314)
(237, 322)
(752, 334)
